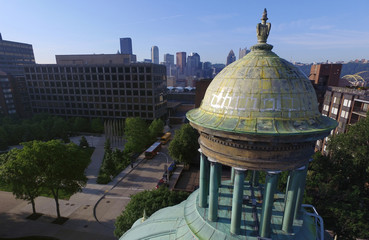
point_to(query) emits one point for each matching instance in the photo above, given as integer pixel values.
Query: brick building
(347, 106)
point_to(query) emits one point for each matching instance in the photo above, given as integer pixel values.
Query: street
(93, 211)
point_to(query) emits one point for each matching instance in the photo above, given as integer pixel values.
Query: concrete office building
(155, 54)
(126, 46)
(7, 101)
(95, 59)
(13, 56)
(107, 91)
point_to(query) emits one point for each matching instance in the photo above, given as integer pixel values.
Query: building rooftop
(189, 221)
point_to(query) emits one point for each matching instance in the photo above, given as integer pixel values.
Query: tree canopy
(184, 146)
(150, 201)
(52, 166)
(43, 127)
(338, 184)
(23, 176)
(137, 135)
(156, 129)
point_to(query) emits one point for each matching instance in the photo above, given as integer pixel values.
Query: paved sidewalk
(92, 211)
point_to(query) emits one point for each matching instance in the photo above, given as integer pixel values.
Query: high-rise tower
(242, 52)
(181, 62)
(155, 54)
(126, 46)
(13, 57)
(231, 57)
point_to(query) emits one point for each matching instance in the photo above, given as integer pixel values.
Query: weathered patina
(260, 113)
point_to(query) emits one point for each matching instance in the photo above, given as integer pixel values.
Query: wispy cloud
(328, 39)
(171, 17)
(212, 19)
(309, 23)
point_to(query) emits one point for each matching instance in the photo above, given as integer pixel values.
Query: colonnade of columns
(210, 179)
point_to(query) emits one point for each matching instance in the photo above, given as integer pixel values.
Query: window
(345, 102)
(334, 110)
(326, 108)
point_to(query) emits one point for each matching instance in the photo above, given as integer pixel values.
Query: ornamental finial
(263, 28)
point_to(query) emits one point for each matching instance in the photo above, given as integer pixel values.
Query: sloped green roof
(188, 221)
(261, 94)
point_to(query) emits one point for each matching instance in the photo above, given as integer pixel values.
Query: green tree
(339, 183)
(61, 166)
(81, 125)
(83, 142)
(150, 201)
(184, 146)
(97, 125)
(21, 172)
(136, 134)
(156, 129)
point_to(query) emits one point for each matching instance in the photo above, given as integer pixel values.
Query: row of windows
(94, 77)
(68, 69)
(95, 99)
(67, 91)
(124, 85)
(96, 106)
(94, 113)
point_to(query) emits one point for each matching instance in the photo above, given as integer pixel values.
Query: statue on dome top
(263, 28)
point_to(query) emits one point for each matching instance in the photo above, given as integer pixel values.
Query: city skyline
(310, 32)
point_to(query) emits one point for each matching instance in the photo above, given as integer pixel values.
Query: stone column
(300, 192)
(219, 167)
(232, 175)
(213, 191)
(290, 203)
(266, 211)
(237, 200)
(255, 179)
(204, 180)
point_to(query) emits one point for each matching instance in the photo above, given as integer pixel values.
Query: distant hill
(347, 68)
(352, 68)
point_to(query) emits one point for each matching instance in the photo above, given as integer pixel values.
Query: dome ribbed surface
(261, 94)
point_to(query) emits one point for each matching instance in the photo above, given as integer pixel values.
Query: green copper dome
(261, 94)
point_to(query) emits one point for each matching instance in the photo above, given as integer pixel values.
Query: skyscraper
(169, 63)
(242, 52)
(231, 57)
(155, 54)
(126, 46)
(181, 62)
(169, 59)
(13, 56)
(193, 64)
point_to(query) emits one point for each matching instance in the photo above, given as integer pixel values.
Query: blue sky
(304, 31)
